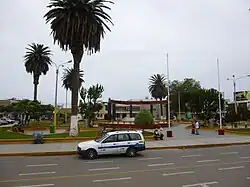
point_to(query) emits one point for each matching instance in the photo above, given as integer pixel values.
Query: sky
(194, 33)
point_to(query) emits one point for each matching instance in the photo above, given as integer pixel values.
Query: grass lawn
(146, 133)
(4, 134)
(64, 135)
(47, 123)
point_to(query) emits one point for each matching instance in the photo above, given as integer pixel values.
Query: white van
(118, 142)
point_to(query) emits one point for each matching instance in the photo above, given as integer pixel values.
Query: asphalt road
(209, 167)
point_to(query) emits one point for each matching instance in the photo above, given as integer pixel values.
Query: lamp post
(169, 132)
(234, 79)
(56, 87)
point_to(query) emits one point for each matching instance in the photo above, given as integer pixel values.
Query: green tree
(182, 90)
(205, 103)
(187, 85)
(144, 117)
(78, 25)
(89, 104)
(158, 88)
(37, 61)
(28, 110)
(67, 78)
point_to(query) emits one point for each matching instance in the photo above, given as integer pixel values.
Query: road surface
(209, 167)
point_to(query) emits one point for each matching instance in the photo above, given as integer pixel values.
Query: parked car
(8, 120)
(3, 122)
(118, 142)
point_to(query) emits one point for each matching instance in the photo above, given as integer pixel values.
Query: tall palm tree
(157, 87)
(37, 61)
(67, 78)
(78, 25)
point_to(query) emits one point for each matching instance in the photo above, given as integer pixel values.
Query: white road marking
(39, 173)
(200, 184)
(248, 178)
(238, 167)
(41, 165)
(38, 185)
(99, 162)
(114, 179)
(155, 158)
(230, 153)
(202, 161)
(188, 156)
(180, 173)
(102, 169)
(245, 157)
(163, 164)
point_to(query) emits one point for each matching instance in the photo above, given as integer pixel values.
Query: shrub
(144, 117)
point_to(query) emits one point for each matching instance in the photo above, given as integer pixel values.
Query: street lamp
(234, 79)
(57, 72)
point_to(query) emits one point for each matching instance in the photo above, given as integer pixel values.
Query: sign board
(242, 96)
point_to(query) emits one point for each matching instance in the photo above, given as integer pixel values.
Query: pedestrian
(197, 127)
(193, 128)
(104, 131)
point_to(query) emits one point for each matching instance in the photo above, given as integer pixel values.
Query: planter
(169, 133)
(221, 132)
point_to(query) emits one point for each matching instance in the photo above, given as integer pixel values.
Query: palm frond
(37, 58)
(79, 23)
(68, 77)
(157, 86)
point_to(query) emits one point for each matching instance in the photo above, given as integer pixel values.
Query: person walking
(197, 127)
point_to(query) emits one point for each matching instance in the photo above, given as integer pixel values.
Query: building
(123, 110)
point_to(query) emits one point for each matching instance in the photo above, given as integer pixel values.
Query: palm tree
(157, 87)
(67, 78)
(37, 61)
(78, 25)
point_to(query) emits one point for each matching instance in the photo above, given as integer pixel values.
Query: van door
(123, 142)
(109, 145)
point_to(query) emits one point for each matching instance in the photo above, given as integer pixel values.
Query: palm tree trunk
(161, 108)
(35, 82)
(77, 52)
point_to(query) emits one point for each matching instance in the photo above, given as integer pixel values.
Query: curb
(61, 153)
(238, 133)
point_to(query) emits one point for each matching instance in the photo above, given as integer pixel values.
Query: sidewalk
(70, 148)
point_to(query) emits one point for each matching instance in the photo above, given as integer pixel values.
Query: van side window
(112, 138)
(123, 137)
(135, 136)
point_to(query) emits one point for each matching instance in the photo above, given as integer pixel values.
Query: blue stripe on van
(120, 146)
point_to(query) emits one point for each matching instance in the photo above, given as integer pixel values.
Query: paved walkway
(181, 133)
(182, 138)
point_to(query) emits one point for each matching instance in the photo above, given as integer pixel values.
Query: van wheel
(91, 154)
(131, 152)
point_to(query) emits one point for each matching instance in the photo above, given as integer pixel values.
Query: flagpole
(219, 96)
(169, 126)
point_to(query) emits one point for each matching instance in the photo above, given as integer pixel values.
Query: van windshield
(102, 138)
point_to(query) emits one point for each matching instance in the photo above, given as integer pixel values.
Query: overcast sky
(193, 32)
